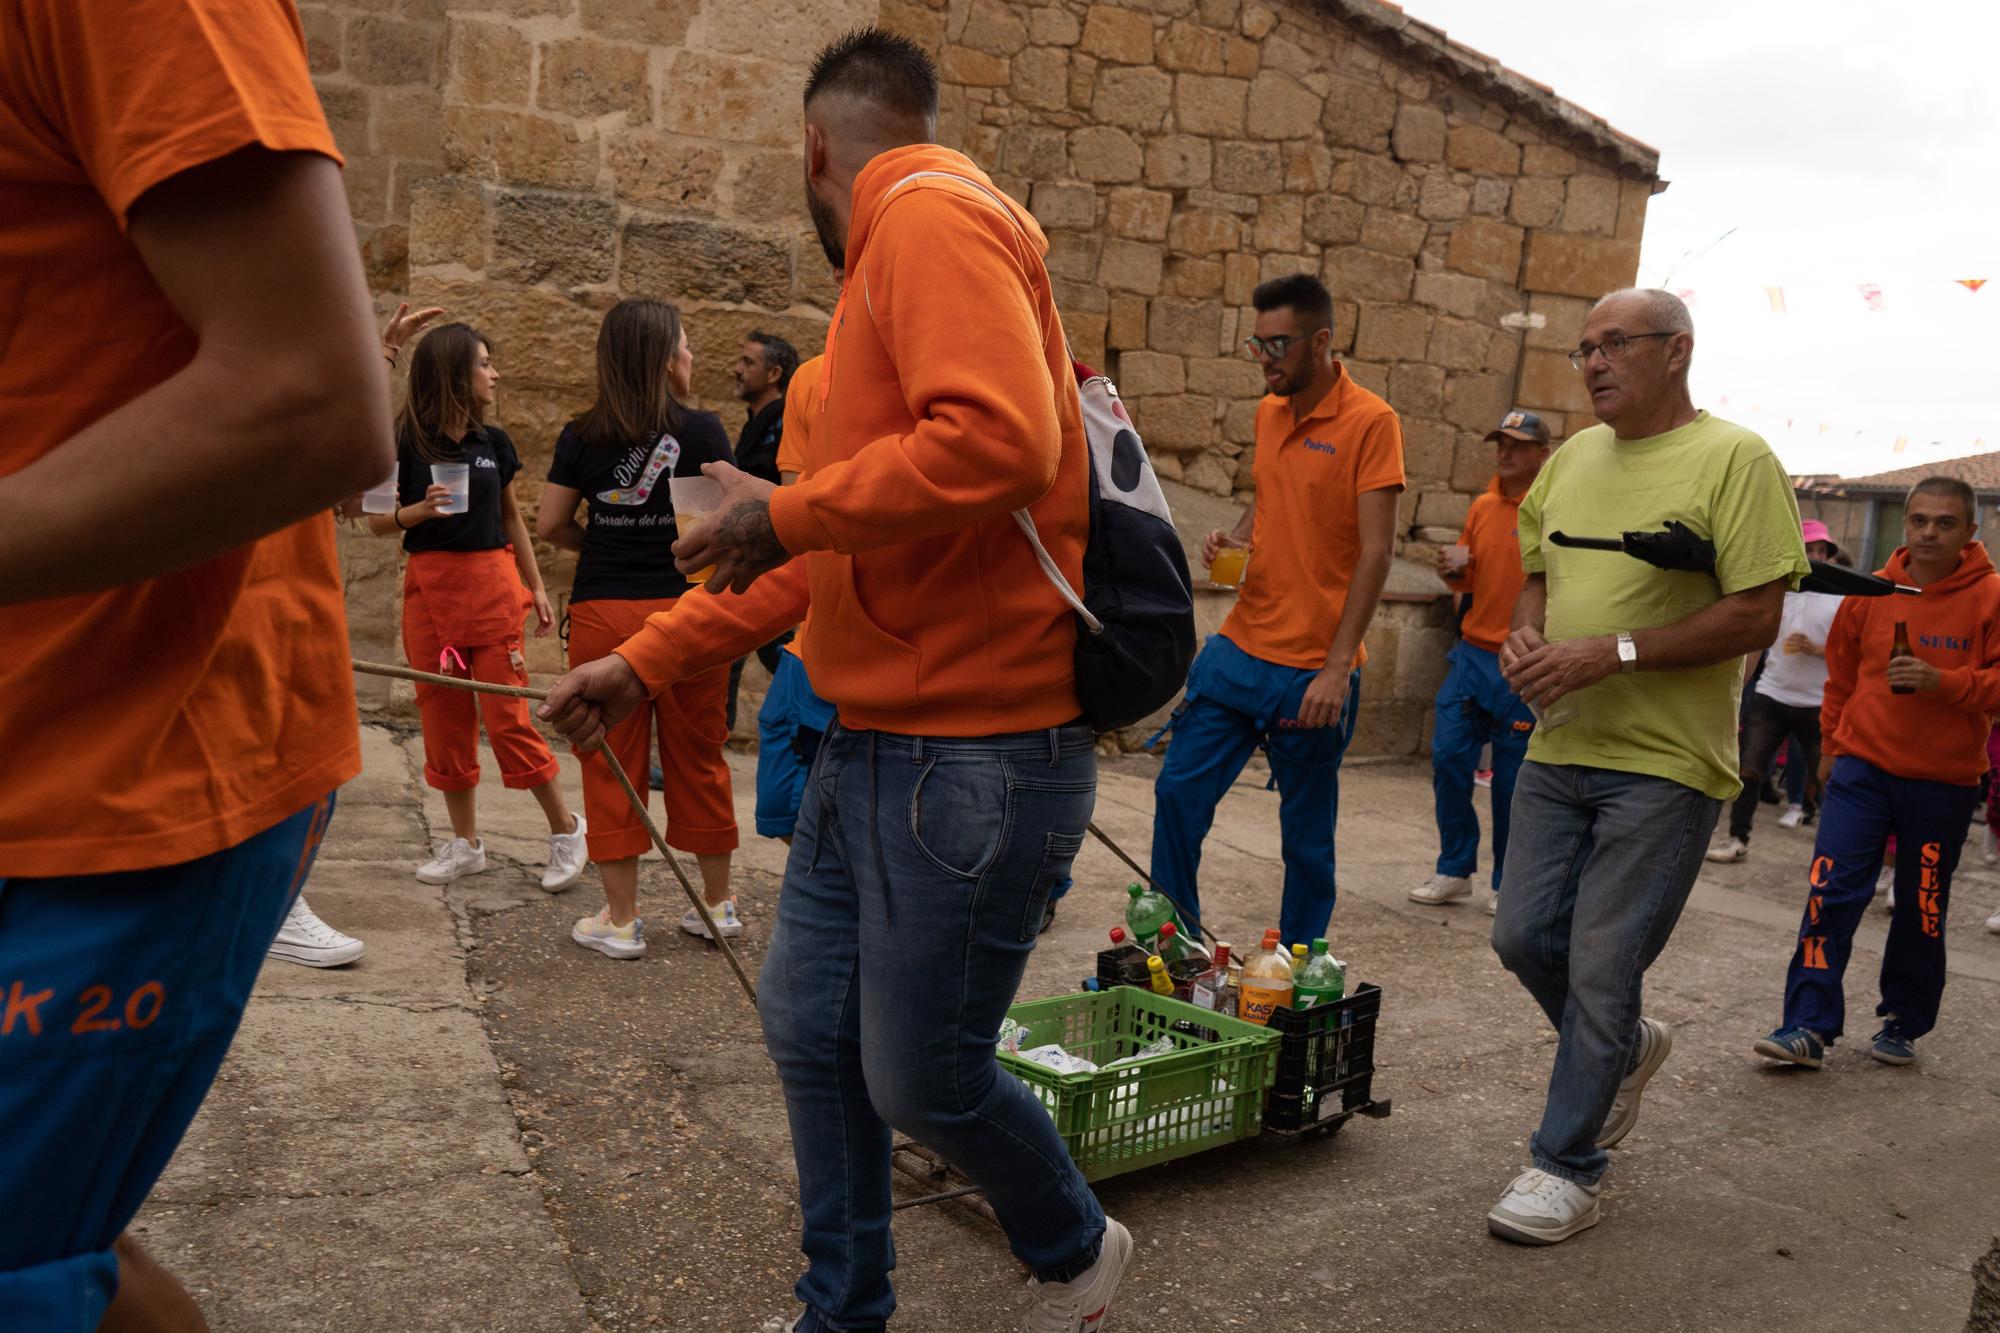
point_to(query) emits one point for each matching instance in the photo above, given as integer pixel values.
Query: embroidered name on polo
(1947, 641)
(1321, 446)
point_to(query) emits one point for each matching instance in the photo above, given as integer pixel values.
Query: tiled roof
(1979, 471)
(1482, 71)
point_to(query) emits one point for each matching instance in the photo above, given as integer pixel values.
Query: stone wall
(527, 162)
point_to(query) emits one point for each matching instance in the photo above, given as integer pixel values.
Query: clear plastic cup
(1226, 570)
(380, 498)
(1457, 558)
(456, 478)
(695, 501)
(1561, 713)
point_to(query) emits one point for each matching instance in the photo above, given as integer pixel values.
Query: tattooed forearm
(745, 532)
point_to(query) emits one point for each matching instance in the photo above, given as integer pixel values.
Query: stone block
(1419, 134)
(974, 69)
(1427, 445)
(1258, 21)
(1130, 266)
(323, 39)
(1074, 255)
(408, 124)
(1458, 344)
(1489, 196)
(1444, 509)
(1146, 374)
(813, 281)
(366, 182)
(696, 259)
(1346, 317)
(1547, 160)
(1308, 167)
(915, 19)
(655, 22)
(1355, 274)
(1211, 473)
(1053, 26)
(1126, 327)
(1393, 233)
(1166, 464)
(489, 64)
(1441, 199)
(518, 149)
(990, 26)
(1472, 463)
(1084, 296)
(1239, 278)
(1370, 375)
(1249, 168)
(1587, 266)
(561, 239)
(1085, 331)
(1195, 279)
(1082, 81)
(1135, 98)
(1391, 333)
(1185, 328)
(1139, 214)
(1065, 204)
(1359, 114)
(385, 256)
(1633, 197)
(1474, 401)
(543, 337)
(1280, 107)
(1417, 390)
(383, 52)
(1221, 201)
(1239, 426)
(1549, 380)
(1591, 206)
(1105, 155)
(1486, 249)
(729, 98)
(589, 77)
(448, 223)
(1188, 48)
(1117, 35)
(1471, 148)
(1562, 321)
(1178, 161)
(1201, 233)
(1227, 377)
(1503, 351)
(1040, 77)
(1281, 223)
(1331, 219)
(1204, 104)
(655, 171)
(758, 179)
(1380, 183)
(1034, 153)
(1181, 422)
(1537, 201)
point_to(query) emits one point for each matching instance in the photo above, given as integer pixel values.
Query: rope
(617, 771)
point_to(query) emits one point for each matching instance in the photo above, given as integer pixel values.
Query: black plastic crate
(1326, 1064)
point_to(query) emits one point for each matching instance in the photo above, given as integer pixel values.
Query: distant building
(1865, 514)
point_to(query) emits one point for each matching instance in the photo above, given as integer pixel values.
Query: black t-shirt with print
(490, 455)
(628, 542)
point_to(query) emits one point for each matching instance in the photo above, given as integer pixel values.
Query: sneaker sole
(305, 957)
(609, 948)
(1506, 1228)
(1419, 896)
(1785, 1054)
(1726, 860)
(1887, 1059)
(728, 932)
(1644, 1073)
(422, 878)
(562, 884)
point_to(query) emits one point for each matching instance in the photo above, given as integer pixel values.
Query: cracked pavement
(481, 1126)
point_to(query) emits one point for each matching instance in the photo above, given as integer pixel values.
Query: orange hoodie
(949, 402)
(1938, 735)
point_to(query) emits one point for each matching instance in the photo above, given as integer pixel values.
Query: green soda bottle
(1320, 981)
(1145, 914)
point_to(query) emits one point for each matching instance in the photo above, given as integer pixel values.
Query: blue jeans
(1602, 864)
(1861, 807)
(119, 996)
(790, 727)
(915, 887)
(1475, 708)
(1234, 703)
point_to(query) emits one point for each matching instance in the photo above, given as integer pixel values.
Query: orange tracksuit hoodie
(949, 403)
(1937, 735)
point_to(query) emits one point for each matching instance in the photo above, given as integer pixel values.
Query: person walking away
(616, 459)
(1475, 709)
(1905, 745)
(470, 576)
(1285, 671)
(176, 705)
(1637, 672)
(955, 789)
(1784, 704)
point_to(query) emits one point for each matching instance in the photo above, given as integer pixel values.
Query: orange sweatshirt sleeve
(702, 630)
(1843, 660)
(1976, 689)
(947, 288)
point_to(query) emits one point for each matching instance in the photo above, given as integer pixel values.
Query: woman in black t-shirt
(617, 458)
(470, 578)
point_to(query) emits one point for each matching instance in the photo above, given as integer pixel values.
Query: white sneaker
(1794, 817)
(1492, 902)
(1885, 888)
(1079, 1305)
(1728, 851)
(726, 920)
(567, 858)
(1442, 889)
(1989, 848)
(1993, 923)
(597, 932)
(1541, 1209)
(1656, 1039)
(457, 858)
(307, 940)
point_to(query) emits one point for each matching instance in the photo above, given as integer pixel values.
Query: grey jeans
(1599, 865)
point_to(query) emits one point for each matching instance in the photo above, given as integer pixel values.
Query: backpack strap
(1022, 518)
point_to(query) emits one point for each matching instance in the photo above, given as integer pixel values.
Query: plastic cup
(1226, 570)
(1563, 713)
(1456, 558)
(695, 500)
(456, 478)
(380, 498)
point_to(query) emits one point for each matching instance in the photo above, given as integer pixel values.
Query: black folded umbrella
(1679, 547)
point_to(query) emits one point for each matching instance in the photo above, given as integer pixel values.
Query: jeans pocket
(1058, 854)
(961, 813)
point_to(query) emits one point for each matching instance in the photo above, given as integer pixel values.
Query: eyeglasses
(1613, 348)
(1271, 349)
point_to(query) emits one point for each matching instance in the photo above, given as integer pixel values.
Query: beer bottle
(1901, 648)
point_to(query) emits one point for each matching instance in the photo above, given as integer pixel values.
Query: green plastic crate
(1157, 1110)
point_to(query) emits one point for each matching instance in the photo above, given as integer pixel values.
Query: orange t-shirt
(160, 721)
(1493, 573)
(1306, 536)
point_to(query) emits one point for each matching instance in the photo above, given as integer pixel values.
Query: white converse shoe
(1728, 851)
(1794, 816)
(1885, 888)
(1079, 1305)
(597, 932)
(1541, 1209)
(1656, 1039)
(724, 914)
(567, 857)
(309, 941)
(1989, 847)
(455, 860)
(1442, 889)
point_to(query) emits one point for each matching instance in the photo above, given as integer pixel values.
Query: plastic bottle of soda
(1156, 976)
(1178, 948)
(1320, 981)
(1128, 958)
(1214, 989)
(1266, 984)
(1298, 960)
(1145, 914)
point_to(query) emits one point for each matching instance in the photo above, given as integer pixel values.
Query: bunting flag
(1902, 443)
(1776, 296)
(1972, 284)
(1872, 294)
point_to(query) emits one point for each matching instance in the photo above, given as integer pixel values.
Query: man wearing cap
(1785, 703)
(1475, 707)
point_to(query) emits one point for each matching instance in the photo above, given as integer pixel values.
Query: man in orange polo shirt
(176, 708)
(1474, 706)
(1284, 672)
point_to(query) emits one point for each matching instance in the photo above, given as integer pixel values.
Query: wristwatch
(1628, 655)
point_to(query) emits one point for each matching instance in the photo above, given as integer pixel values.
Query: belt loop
(1055, 747)
(916, 749)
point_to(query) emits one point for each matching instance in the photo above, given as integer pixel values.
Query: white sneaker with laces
(1079, 1305)
(1656, 1039)
(1442, 889)
(567, 857)
(1794, 816)
(1729, 851)
(726, 920)
(456, 859)
(597, 932)
(310, 942)
(1493, 902)
(1541, 1209)
(1885, 888)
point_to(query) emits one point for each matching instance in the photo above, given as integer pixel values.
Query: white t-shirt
(1799, 679)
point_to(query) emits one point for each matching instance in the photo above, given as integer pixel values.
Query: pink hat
(1812, 530)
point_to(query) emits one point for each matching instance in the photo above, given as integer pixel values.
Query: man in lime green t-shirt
(1636, 673)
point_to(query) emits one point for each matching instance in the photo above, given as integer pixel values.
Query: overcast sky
(1846, 143)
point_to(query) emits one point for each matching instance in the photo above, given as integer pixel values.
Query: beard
(1296, 383)
(828, 226)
